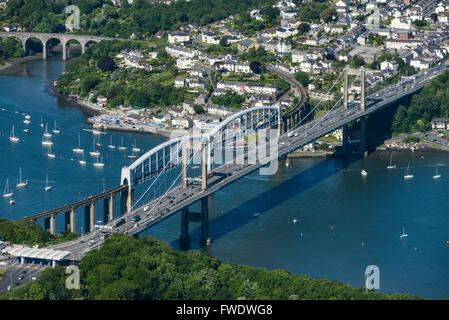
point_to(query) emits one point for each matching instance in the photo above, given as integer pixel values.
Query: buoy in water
(416, 249)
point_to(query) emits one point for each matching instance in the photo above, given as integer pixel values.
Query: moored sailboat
(12, 137)
(7, 193)
(407, 174)
(391, 166)
(21, 184)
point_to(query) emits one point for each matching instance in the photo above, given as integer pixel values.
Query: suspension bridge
(188, 168)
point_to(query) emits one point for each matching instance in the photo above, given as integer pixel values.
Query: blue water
(345, 221)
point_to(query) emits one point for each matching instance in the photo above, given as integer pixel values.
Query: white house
(178, 37)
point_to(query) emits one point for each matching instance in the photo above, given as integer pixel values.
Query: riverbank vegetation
(10, 48)
(431, 102)
(130, 268)
(142, 18)
(120, 85)
(30, 233)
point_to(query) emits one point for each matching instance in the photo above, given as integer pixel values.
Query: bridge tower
(355, 72)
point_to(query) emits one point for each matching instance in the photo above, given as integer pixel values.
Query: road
(177, 198)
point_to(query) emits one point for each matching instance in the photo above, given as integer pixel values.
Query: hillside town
(390, 39)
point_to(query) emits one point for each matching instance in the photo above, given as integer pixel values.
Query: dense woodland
(130, 268)
(431, 102)
(9, 48)
(100, 17)
(30, 233)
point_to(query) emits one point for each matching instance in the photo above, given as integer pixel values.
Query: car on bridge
(136, 218)
(120, 222)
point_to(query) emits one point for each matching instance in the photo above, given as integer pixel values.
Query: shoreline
(12, 62)
(85, 106)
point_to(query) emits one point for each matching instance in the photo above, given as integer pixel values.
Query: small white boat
(99, 164)
(55, 130)
(122, 147)
(7, 193)
(46, 134)
(403, 235)
(96, 131)
(256, 215)
(28, 117)
(12, 137)
(47, 143)
(26, 130)
(11, 202)
(135, 149)
(47, 187)
(407, 175)
(295, 220)
(94, 153)
(78, 150)
(111, 146)
(391, 166)
(363, 172)
(26, 121)
(436, 176)
(42, 122)
(21, 184)
(82, 162)
(131, 156)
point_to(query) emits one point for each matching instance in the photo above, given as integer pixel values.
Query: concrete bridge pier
(363, 143)
(92, 216)
(111, 207)
(123, 197)
(345, 146)
(204, 240)
(47, 224)
(67, 221)
(105, 210)
(87, 219)
(202, 217)
(73, 220)
(53, 224)
(184, 239)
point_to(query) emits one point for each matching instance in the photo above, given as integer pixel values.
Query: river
(345, 221)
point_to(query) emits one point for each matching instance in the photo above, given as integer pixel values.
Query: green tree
(328, 14)
(303, 78)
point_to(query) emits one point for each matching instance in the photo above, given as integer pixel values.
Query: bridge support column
(363, 143)
(65, 50)
(184, 239)
(67, 221)
(73, 220)
(202, 217)
(86, 219)
(24, 46)
(92, 216)
(204, 240)
(44, 50)
(105, 210)
(185, 175)
(52, 224)
(47, 224)
(111, 207)
(344, 145)
(130, 199)
(203, 166)
(123, 198)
